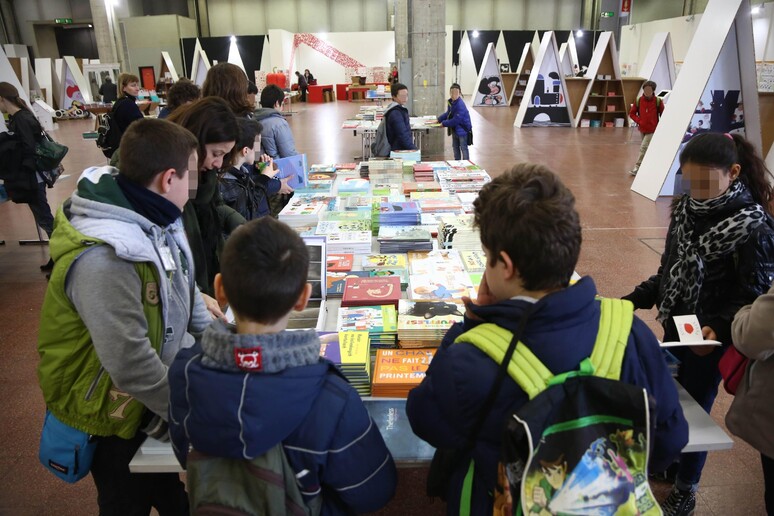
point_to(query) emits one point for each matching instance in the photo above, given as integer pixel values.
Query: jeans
(643, 148)
(122, 493)
(700, 377)
(768, 483)
(460, 146)
(42, 211)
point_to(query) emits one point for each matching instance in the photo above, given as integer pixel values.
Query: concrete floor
(622, 241)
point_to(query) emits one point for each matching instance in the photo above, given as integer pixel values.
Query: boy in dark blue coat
(457, 119)
(396, 120)
(531, 235)
(245, 389)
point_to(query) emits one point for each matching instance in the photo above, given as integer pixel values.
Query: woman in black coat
(22, 182)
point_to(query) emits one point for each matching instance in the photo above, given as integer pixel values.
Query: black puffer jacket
(729, 283)
(18, 165)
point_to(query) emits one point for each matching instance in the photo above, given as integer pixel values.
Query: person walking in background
(457, 120)
(22, 181)
(718, 257)
(108, 91)
(302, 85)
(646, 112)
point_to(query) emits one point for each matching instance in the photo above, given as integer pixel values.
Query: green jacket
(76, 389)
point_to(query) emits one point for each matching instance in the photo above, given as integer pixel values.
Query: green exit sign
(63, 21)
(608, 14)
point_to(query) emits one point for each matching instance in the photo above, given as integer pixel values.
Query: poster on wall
(545, 101)
(489, 85)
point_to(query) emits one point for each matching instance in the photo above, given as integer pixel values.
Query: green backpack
(580, 445)
(264, 486)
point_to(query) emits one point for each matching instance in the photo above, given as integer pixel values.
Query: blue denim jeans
(460, 146)
(42, 211)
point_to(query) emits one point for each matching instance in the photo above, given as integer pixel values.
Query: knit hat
(8, 90)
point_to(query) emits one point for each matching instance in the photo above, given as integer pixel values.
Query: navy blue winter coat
(320, 419)
(457, 117)
(561, 332)
(398, 127)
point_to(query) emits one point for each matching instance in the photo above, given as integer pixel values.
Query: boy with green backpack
(564, 396)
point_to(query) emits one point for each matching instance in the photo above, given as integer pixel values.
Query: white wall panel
(345, 16)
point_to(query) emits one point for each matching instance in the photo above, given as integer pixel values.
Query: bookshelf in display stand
(526, 64)
(603, 104)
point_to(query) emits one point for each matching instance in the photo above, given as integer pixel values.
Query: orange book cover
(401, 366)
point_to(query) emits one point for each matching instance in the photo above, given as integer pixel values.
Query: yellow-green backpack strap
(615, 325)
(525, 368)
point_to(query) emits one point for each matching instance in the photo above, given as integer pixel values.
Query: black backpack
(108, 133)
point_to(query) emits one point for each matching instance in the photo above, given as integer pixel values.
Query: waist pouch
(65, 451)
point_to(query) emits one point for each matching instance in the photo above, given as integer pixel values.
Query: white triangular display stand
(489, 77)
(565, 60)
(605, 47)
(233, 56)
(467, 65)
(659, 63)
(167, 66)
(201, 65)
(719, 69)
(526, 64)
(501, 49)
(545, 101)
(74, 85)
(44, 73)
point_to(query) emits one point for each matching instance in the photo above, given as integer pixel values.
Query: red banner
(626, 6)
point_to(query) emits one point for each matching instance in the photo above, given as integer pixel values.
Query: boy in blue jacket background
(531, 235)
(397, 121)
(457, 120)
(244, 389)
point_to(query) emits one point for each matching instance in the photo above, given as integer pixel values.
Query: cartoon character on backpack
(554, 475)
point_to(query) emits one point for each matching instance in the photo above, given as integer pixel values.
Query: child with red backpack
(646, 111)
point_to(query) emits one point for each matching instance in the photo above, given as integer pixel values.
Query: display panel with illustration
(489, 85)
(546, 99)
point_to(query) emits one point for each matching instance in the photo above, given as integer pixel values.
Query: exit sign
(63, 21)
(608, 14)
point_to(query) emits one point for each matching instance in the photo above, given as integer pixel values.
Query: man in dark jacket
(396, 119)
(302, 85)
(244, 390)
(646, 111)
(531, 235)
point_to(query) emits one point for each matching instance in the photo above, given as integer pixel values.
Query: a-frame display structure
(603, 103)
(717, 77)
(200, 66)
(545, 101)
(488, 90)
(526, 63)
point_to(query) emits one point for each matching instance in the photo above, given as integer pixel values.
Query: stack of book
(423, 172)
(346, 166)
(458, 232)
(350, 352)
(335, 281)
(401, 239)
(330, 227)
(339, 262)
(381, 323)
(422, 186)
(380, 290)
(398, 214)
(354, 185)
(461, 180)
(348, 242)
(397, 371)
(422, 324)
(372, 262)
(305, 209)
(466, 200)
(438, 204)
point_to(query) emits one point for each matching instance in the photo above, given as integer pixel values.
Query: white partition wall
(201, 64)
(167, 66)
(545, 99)
(565, 61)
(74, 85)
(488, 89)
(717, 77)
(44, 74)
(659, 63)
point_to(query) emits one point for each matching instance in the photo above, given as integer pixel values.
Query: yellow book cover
(355, 349)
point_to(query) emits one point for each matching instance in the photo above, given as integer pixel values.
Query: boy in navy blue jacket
(245, 389)
(531, 235)
(396, 120)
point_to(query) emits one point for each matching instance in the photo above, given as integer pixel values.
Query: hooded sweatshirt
(236, 396)
(97, 323)
(276, 138)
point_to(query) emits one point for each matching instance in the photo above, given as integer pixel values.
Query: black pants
(768, 483)
(42, 211)
(303, 89)
(122, 493)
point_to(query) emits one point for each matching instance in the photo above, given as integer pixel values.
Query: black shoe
(48, 266)
(679, 503)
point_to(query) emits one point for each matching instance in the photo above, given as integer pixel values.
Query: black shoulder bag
(446, 461)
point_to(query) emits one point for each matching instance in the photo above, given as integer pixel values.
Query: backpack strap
(615, 323)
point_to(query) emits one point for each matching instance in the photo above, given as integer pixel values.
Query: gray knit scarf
(685, 278)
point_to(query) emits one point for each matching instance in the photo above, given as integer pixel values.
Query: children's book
(335, 281)
(384, 261)
(295, 167)
(474, 261)
(340, 262)
(382, 290)
(350, 352)
(439, 286)
(373, 319)
(397, 371)
(445, 260)
(331, 227)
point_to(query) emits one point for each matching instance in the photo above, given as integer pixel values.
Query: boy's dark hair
(529, 214)
(252, 89)
(182, 92)
(270, 95)
(264, 268)
(229, 82)
(248, 130)
(209, 119)
(649, 83)
(396, 88)
(724, 150)
(455, 86)
(150, 146)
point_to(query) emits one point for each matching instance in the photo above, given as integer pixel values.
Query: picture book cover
(398, 273)
(330, 227)
(474, 261)
(354, 184)
(340, 262)
(335, 281)
(408, 233)
(439, 286)
(362, 237)
(371, 291)
(445, 260)
(346, 166)
(399, 207)
(295, 167)
(346, 349)
(402, 366)
(384, 261)
(373, 319)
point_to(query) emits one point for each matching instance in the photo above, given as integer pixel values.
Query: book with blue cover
(295, 167)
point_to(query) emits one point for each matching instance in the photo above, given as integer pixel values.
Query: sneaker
(633, 172)
(679, 503)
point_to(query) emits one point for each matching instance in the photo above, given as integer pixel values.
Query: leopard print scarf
(684, 279)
